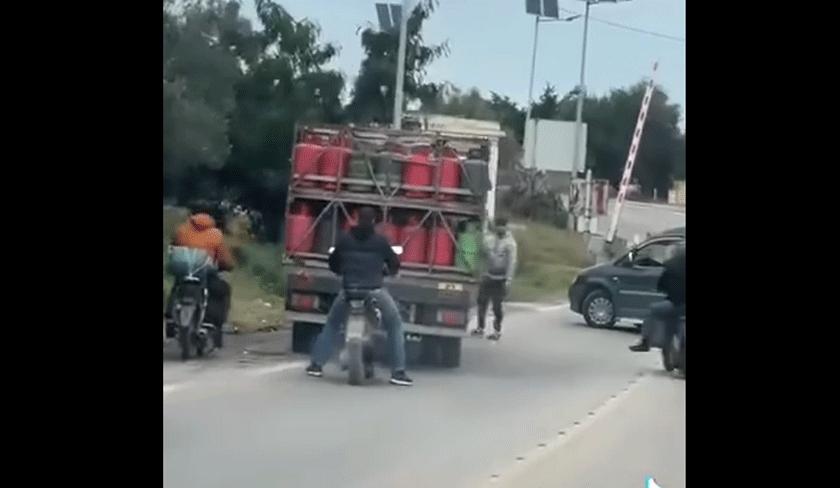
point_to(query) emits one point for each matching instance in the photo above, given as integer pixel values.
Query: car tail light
(304, 302)
(451, 317)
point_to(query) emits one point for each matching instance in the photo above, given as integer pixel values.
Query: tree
(611, 120)
(548, 106)
(373, 91)
(509, 115)
(198, 78)
(284, 82)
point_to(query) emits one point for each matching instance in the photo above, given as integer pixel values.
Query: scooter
(190, 302)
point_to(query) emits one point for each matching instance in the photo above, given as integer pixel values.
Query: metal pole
(531, 91)
(581, 94)
(587, 209)
(398, 93)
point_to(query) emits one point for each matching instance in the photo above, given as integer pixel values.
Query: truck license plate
(450, 287)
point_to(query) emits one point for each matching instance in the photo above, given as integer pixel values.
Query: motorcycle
(191, 267)
(363, 319)
(673, 352)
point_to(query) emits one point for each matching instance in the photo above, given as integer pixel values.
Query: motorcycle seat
(357, 294)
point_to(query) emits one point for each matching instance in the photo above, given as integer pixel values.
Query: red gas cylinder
(335, 161)
(418, 171)
(444, 248)
(305, 160)
(298, 224)
(391, 232)
(450, 173)
(415, 238)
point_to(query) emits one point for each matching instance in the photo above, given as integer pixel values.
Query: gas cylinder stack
(417, 180)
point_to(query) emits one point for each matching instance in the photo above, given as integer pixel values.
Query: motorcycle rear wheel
(185, 343)
(355, 362)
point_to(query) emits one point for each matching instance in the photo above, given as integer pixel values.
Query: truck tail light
(304, 302)
(454, 318)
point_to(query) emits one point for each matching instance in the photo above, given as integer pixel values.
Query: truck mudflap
(409, 328)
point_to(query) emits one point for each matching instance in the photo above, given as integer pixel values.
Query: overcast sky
(491, 42)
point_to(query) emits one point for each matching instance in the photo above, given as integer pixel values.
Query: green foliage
(198, 79)
(532, 199)
(378, 70)
(611, 120)
(264, 262)
(549, 259)
(232, 96)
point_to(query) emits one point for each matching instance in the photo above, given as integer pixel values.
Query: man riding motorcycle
(200, 232)
(669, 311)
(360, 257)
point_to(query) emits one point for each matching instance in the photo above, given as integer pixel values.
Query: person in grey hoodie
(498, 253)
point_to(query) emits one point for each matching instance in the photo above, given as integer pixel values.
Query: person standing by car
(498, 252)
(668, 311)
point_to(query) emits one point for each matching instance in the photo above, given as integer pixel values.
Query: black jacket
(361, 257)
(672, 281)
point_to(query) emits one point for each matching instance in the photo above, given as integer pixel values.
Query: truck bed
(420, 295)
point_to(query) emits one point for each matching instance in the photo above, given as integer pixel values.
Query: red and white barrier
(631, 156)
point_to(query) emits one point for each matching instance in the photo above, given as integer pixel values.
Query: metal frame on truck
(435, 301)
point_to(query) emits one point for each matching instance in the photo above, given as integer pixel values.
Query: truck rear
(431, 185)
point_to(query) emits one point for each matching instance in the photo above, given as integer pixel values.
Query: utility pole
(531, 92)
(398, 92)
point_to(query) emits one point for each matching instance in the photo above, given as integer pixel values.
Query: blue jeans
(391, 320)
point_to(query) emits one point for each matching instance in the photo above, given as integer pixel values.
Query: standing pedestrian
(498, 254)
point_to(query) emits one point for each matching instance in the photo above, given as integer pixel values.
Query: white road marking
(551, 308)
(167, 389)
(545, 449)
(278, 368)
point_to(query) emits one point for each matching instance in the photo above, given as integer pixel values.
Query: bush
(262, 260)
(549, 260)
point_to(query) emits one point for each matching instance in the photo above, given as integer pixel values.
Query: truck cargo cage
(353, 151)
(367, 145)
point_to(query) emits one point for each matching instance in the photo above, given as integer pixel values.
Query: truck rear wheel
(450, 348)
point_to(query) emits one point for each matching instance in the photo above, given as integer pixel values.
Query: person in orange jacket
(200, 232)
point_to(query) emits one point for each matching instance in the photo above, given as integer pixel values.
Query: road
(641, 218)
(555, 403)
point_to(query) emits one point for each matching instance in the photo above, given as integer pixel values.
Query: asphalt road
(258, 422)
(642, 218)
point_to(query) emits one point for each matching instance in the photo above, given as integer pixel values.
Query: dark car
(625, 288)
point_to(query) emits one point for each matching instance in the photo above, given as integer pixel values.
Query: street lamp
(543, 11)
(393, 16)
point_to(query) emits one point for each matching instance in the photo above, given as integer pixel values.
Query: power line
(629, 28)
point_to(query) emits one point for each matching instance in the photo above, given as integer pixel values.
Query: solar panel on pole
(550, 9)
(384, 15)
(396, 15)
(533, 7)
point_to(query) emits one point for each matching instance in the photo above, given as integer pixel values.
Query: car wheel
(598, 309)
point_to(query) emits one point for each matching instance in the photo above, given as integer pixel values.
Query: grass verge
(549, 260)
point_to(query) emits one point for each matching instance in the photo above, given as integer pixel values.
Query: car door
(639, 274)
